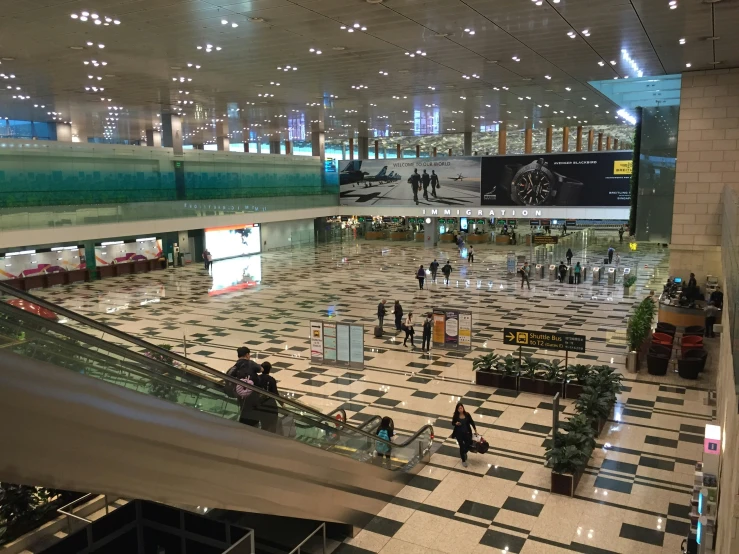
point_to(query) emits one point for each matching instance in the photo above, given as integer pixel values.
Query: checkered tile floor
(635, 493)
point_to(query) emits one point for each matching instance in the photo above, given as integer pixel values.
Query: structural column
(450, 151)
(377, 149)
(608, 142)
(434, 152)
(318, 138)
(502, 135)
(467, 143)
(528, 141)
(578, 146)
(198, 146)
(398, 151)
(153, 138)
(222, 142)
(64, 132)
(274, 146)
(600, 142)
(418, 150)
(565, 139)
(549, 138)
(172, 132)
(590, 140)
(351, 148)
(363, 148)
(615, 144)
(430, 232)
(288, 147)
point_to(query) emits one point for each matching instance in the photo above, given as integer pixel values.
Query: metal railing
(297, 550)
(66, 510)
(240, 546)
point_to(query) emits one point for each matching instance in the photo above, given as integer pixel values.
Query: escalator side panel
(67, 431)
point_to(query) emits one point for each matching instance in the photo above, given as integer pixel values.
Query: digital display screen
(463, 223)
(233, 241)
(235, 274)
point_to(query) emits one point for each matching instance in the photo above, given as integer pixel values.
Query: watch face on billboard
(233, 241)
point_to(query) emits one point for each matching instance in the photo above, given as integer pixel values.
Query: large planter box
(629, 291)
(598, 425)
(573, 390)
(566, 484)
(497, 380)
(539, 386)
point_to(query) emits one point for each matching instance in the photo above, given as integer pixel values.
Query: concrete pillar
(318, 139)
(259, 145)
(430, 232)
(615, 144)
(64, 132)
(222, 141)
(467, 148)
(351, 148)
(600, 142)
(343, 150)
(502, 136)
(565, 139)
(399, 151)
(450, 151)
(528, 141)
(377, 149)
(274, 146)
(590, 140)
(434, 152)
(246, 142)
(90, 260)
(363, 146)
(153, 138)
(288, 147)
(418, 150)
(608, 142)
(172, 132)
(550, 131)
(578, 146)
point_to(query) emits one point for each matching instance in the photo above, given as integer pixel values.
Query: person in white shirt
(408, 328)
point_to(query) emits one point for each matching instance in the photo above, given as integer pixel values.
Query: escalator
(87, 407)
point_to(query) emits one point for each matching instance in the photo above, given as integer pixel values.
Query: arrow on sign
(511, 336)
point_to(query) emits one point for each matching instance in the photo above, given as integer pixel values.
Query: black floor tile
(656, 463)
(314, 383)
(345, 394)
(523, 506)
(506, 392)
(503, 541)
(693, 429)
(678, 510)
(504, 473)
(642, 534)
(668, 400)
(613, 485)
(488, 412)
(675, 390)
(680, 528)
(476, 509)
(340, 381)
(361, 417)
(636, 413)
(621, 467)
(418, 380)
(384, 526)
(472, 402)
(695, 439)
(373, 392)
(639, 402)
(422, 394)
(661, 441)
(535, 428)
(480, 395)
(425, 483)
(350, 375)
(386, 402)
(549, 406)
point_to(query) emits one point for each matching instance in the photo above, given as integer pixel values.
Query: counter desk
(478, 239)
(680, 316)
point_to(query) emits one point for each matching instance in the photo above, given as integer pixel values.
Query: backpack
(381, 447)
(230, 387)
(243, 392)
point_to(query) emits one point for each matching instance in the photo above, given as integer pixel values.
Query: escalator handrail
(175, 356)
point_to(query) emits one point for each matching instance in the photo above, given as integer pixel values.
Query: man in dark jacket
(381, 311)
(447, 271)
(245, 366)
(434, 183)
(415, 181)
(425, 179)
(434, 267)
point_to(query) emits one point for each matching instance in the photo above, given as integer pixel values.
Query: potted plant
(596, 406)
(629, 284)
(576, 377)
(541, 377)
(569, 453)
(483, 367)
(506, 373)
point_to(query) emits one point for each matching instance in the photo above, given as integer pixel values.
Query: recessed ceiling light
(613, 62)
(572, 34)
(601, 63)
(688, 65)
(682, 41)
(568, 89)
(547, 76)
(586, 33)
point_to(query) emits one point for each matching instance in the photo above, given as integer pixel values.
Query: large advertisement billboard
(441, 182)
(583, 179)
(233, 241)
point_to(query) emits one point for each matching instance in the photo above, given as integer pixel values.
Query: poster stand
(452, 329)
(337, 343)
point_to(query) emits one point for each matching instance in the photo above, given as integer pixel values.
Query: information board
(337, 343)
(452, 329)
(538, 240)
(543, 339)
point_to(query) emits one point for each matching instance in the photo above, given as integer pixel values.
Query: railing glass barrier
(76, 343)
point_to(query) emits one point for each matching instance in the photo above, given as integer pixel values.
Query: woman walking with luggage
(463, 425)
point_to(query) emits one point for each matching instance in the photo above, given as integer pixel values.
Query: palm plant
(508, 365)
(593, 404)
(486, 362)
(566, 458)
(549, 370)
(579, 372)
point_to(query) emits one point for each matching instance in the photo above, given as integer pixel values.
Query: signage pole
(555, 414)
(566, 358)
(520, 349)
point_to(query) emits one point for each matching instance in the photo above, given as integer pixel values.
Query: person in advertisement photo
(581, 179)
(411, 182)
(233, 241)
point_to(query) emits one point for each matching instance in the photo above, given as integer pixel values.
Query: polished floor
(635, 494)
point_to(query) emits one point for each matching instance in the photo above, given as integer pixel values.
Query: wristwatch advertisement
(581, 179)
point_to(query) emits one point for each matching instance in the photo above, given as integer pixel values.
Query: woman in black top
(267, 408)
(463, 426)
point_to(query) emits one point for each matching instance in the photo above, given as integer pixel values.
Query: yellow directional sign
(543, 339)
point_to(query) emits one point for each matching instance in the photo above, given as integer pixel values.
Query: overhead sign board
(543, 339)
(544, 239)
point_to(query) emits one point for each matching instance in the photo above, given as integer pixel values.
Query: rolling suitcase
(378, 331)
(572, 279)
(479, 444)
(605, 261)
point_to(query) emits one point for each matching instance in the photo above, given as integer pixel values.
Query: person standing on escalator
(386, 432)
(267, 407)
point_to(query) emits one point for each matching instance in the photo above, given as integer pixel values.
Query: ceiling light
(688, 65)
(572, 34)
(601, 63)
(547, 77)
(682, 41)
(516, 59)
(224, 22)
(74, 16)
(568, 89)
(673, 4)
(586, 33)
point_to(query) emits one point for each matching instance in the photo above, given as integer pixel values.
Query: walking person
(611, 252)
(471, 254)
(421, 276)
(711, 312)
(434, 183)
(562, 272)
(408, 328)
(578, 272)
(525, 272)
(447, 271)
(415, 181)
(564, 229)
(426, 180)
(621, 234)
(207, 259)
(427, 327)
(398, 313)
(267, 407)
(386, 432)
(463, 425)
(381, 311)
(569, 256)
(434, 267)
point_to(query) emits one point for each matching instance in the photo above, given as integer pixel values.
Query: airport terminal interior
(369, 276)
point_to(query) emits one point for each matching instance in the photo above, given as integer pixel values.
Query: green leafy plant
(640, 324)
(486, 362)
(508, 365)
(593, 404)
(566, 458)
(630, 281)
(549, 370)
(528, 366)
(579, 373)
